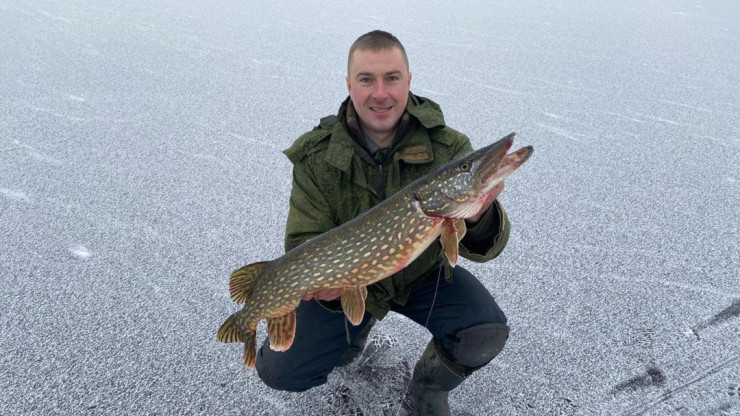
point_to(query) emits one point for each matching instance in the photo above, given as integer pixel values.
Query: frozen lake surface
(140, 163)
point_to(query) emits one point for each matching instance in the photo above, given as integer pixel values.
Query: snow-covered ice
(140, 164)
(80, 252)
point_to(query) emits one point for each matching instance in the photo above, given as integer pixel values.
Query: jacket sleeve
(487, 238)
(309, 213)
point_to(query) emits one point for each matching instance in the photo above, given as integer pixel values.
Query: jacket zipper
(381, 182)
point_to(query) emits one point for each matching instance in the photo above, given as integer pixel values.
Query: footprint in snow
(80, 252)
(14, 195)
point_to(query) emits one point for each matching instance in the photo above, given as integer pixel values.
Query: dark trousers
(321, 335)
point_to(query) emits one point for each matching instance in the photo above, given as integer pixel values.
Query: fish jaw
(508, 165)
(487, 161)
(460, 188)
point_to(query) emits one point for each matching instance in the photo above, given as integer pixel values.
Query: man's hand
(495, 192)
(326, 294)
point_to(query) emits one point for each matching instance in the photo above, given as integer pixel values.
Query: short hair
(377, 40)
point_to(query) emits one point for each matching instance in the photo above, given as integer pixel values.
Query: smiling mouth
(380, 109)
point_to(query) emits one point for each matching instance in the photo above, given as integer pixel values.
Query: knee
(278, 377)
(478, 345)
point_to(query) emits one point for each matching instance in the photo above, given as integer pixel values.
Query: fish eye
(465, 166)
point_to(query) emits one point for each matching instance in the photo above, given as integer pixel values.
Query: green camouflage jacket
(333, 182)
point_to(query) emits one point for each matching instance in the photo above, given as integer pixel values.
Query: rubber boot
(433, 379)
(436, 374)
(357, 345)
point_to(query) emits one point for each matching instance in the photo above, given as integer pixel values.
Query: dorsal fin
(353, 303)
(281, 331)
(242, 281)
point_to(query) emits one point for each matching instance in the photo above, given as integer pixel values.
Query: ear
(409, 80)
(348, 85)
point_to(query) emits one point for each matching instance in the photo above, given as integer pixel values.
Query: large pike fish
(368, 248)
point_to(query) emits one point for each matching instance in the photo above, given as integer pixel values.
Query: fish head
(460, 188)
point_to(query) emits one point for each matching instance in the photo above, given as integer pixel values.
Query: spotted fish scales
(367, 249)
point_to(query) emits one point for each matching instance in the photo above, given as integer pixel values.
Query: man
(382, 139)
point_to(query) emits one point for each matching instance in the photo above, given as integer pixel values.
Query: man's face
(378, 83)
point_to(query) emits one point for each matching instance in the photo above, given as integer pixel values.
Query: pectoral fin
(461, 228)
(452, 232)
(353, 303)
(281, 331)
(243, 280)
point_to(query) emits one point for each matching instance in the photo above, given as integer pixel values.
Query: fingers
(496, 191)
(492, 195)
(326, 294)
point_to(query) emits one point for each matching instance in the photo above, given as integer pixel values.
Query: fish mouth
(496, 165)
(491, 159)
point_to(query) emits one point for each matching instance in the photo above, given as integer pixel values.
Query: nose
(380, 92)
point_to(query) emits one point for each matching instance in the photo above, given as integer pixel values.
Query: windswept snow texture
(140, 163)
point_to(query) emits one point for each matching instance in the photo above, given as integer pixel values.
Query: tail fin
(250, 350)
(243, 280)
(229, 331)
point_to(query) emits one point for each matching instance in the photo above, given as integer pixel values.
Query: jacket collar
(417, 150)
(426, 111)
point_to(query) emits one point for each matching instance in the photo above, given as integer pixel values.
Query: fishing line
(434, 299)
